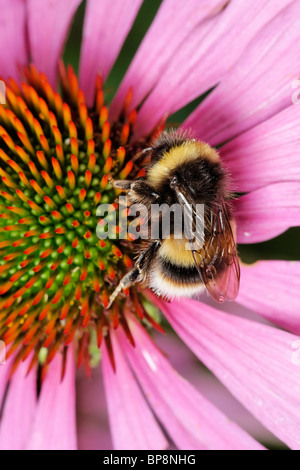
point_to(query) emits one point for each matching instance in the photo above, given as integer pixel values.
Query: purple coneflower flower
(57, 150)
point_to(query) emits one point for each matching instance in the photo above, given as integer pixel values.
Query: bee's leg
(128, 280)
(139, 189)
(123, 185)
(137, 274)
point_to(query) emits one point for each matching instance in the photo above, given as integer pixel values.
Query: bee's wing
(217, 262)
(214, 253)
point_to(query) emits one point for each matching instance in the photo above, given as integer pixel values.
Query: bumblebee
(186, 172)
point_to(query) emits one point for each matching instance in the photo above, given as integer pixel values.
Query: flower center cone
(56, 274)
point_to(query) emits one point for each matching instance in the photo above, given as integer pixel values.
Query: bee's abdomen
(173, 281)
(179, 274)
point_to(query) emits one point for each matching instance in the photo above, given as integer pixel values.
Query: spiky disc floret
(55, 158)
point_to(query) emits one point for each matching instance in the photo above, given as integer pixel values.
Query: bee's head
(200, 180)
(193, 166)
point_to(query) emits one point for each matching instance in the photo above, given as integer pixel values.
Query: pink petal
(184, 361)
(132, 424)
(267, 212)
(257, 87)
(19, 409)
(12, 38)
(204, 58)
(267, 153)
(259, 364)
(271, 288)
(54, 427)
(169, 29)
(191, 420)
(48, 24)
(106, 26)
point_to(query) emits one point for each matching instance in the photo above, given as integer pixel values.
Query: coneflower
(59, 143)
